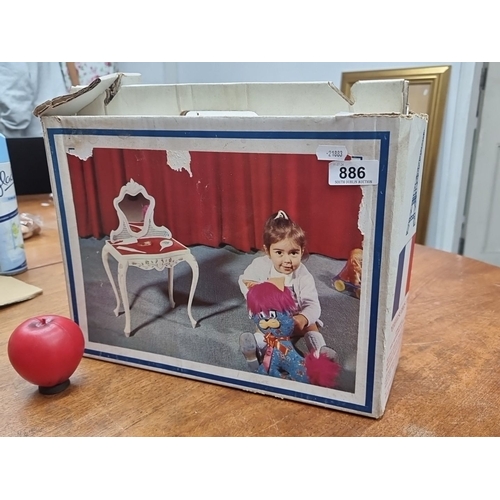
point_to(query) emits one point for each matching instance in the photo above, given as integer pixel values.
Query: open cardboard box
(162, 193)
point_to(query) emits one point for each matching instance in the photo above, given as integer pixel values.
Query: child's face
(285, 255)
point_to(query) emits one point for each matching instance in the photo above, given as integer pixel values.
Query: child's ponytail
(278, 227)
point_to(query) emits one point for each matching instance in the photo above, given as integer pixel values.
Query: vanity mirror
(139, 242)
(135, 209)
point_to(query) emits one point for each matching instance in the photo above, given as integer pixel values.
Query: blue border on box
(382, 136)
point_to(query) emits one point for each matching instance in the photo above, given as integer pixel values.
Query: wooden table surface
(447, 382)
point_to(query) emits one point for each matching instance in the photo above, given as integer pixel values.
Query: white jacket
(303, 286)
(24, 85)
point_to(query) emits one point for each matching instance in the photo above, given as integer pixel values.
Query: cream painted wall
(456, 137)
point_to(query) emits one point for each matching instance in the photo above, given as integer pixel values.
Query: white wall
(453, 159)
(152, 72)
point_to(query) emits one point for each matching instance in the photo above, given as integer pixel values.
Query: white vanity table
(140, 243)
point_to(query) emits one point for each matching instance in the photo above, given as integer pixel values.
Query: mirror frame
(124, 231)
(437, 77)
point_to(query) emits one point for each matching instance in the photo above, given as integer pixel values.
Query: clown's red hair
(266, 296)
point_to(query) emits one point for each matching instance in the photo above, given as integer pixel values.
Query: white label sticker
(353, 172)
(331, 153)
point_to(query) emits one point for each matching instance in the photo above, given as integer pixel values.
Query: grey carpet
(218, 307)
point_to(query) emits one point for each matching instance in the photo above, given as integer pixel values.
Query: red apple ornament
(46, 351)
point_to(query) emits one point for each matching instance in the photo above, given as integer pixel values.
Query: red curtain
(226, 200)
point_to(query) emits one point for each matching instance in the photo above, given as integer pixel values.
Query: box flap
(120, 95)
(282, 99)
(380, 96)
(81, 96)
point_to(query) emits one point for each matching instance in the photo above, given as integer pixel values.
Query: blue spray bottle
(12, 255)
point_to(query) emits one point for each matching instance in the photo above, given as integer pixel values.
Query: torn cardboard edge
(95, 98)
(70, 104)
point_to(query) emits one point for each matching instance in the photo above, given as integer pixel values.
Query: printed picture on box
(269, 350)
(245, 261)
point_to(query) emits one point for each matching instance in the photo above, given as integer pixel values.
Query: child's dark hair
(278, 227)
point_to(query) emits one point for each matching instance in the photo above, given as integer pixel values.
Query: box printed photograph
(225, 262)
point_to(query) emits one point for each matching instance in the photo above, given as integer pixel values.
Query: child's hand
(300, 321)
(249, 284)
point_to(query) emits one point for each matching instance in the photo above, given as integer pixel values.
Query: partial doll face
(285, 255)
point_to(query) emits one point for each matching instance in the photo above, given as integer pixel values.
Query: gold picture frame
(428, 88)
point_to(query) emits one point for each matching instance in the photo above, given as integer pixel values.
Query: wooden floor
(447, 383)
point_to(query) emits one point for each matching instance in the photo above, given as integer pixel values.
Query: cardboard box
(162, 194)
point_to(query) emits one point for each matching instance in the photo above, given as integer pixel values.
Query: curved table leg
(171, 286)
(122, 282)
(194, 281)
(105, 258)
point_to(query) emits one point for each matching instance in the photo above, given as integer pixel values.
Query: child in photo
(284, 246)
